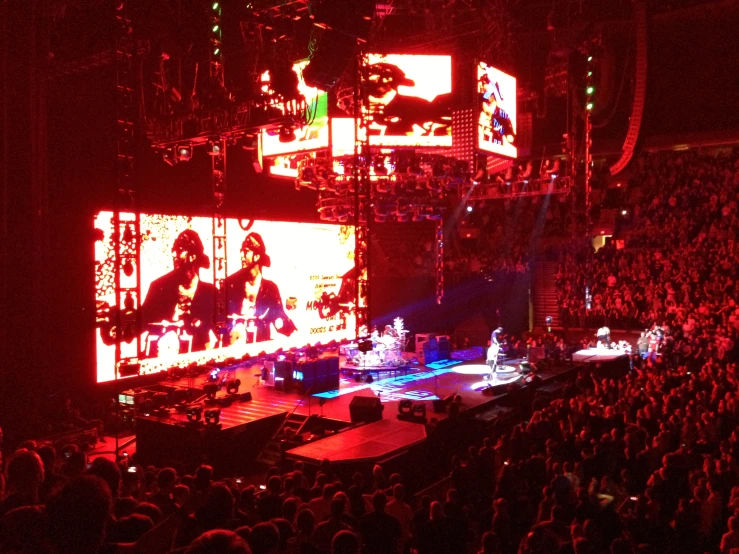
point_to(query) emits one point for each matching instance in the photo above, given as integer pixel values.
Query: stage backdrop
(284, 289)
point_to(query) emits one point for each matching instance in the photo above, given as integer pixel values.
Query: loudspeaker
(365, 409)
(245, 397)
(284, 371)
(333, 365)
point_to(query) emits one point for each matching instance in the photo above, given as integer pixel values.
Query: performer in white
(603, 337)
(494, 350)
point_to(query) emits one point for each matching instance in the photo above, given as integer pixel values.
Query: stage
(245, 427)
(597, 355)
(607, 362)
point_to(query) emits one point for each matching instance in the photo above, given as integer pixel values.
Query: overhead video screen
(497, 120)
(312, 136)
(287, 284)
(410, 100)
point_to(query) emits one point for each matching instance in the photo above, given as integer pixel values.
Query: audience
(646, 463)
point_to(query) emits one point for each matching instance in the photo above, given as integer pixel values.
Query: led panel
(289, 284)
(497, 116)
(410, 100)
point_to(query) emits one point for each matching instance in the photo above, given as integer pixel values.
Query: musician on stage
(496, 342)
(179, 298)
(604, 337)
(255, 298)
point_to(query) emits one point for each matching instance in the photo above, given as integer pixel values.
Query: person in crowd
(381, 533)
(24, 474)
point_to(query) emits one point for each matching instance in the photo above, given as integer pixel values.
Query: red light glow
(295, 267)
(497, 121)
(410, 100)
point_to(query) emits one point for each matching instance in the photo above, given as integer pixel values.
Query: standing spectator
(24, 474)
(380, 531)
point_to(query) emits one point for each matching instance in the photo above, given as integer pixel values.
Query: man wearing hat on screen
(253, 297)
(399, 113)
(179, 298)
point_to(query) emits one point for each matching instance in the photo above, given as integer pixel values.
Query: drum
(350, 350)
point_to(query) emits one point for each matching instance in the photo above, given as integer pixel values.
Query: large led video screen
(497, 120)
(287, 284)
(311, 136)
(410, 100)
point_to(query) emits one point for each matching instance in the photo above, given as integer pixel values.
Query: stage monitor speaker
(333, 365)
(284, 371)
(245, 397)
(321, 368)
(365, 409)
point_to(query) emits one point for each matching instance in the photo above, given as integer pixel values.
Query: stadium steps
(271, 454)
(545, 294)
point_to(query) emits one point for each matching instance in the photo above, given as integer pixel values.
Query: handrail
(436, 485)
(287, 417)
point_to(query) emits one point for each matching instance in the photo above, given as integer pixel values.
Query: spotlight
(210, 390)
(214, 146)
(589, 106)
(184, 153)
(419, 411)
(590, 90)
(194, 413)
(212, 416)
(469, 208)
(169, 156)
(548, 320)
(624, 212)
(405, 407)
(232, 386)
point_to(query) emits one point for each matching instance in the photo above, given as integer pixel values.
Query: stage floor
(597, 355)
(463, 375)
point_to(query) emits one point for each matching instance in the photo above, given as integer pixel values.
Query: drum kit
(167, 339)
(375, 350)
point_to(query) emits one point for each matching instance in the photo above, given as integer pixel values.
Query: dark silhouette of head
(379, 500)
(219, 542)
(345, 542)
(264, 538)
(386, 77)
(108, 471)
(77, 515)
(24, 472)
(253, 252)
(189, 253)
